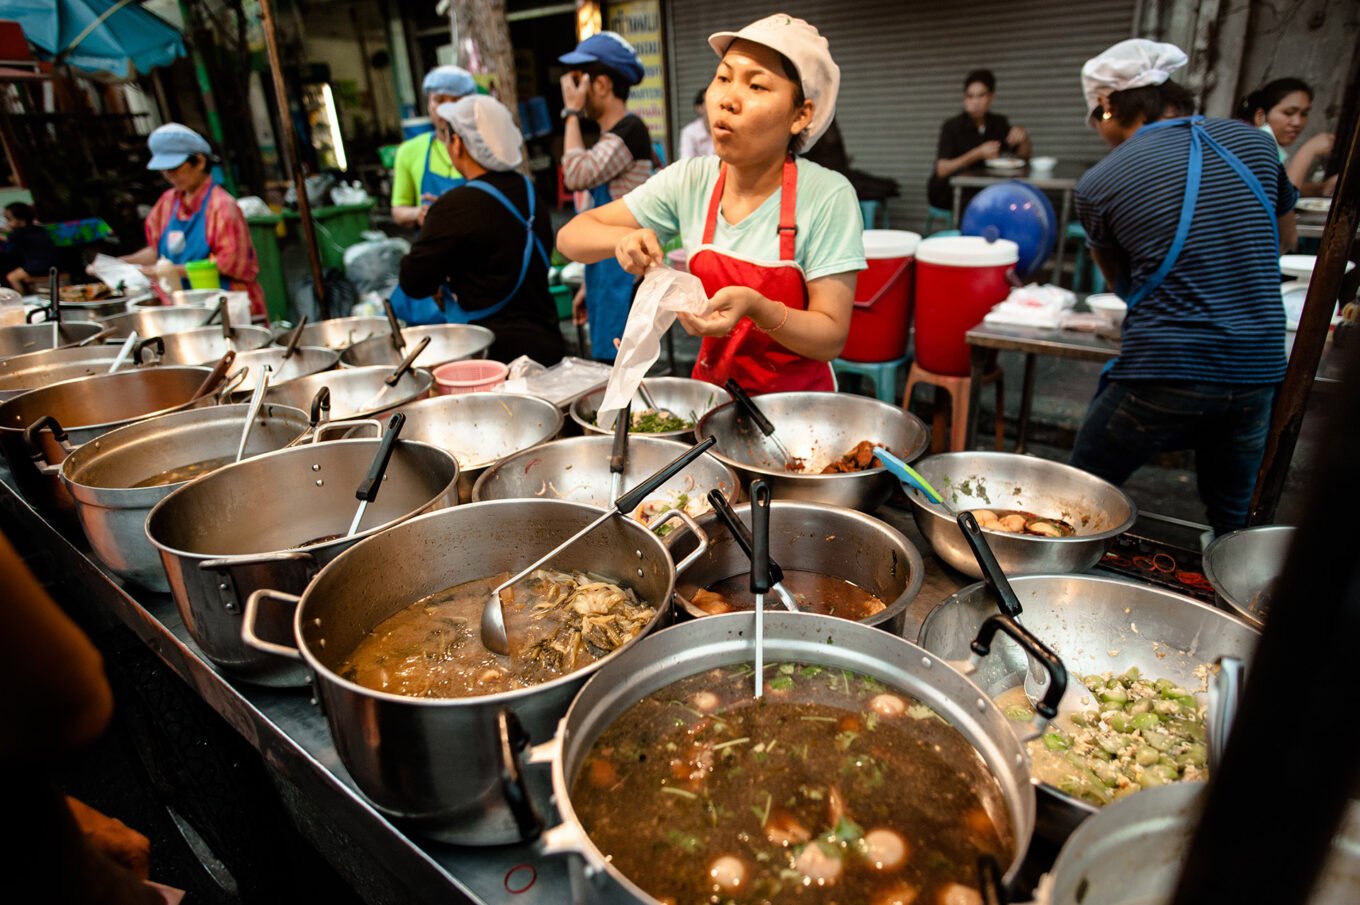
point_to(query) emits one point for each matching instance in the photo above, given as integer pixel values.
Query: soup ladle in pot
(618, 453)
(391, 380)
(295, 338)
(398, 341)
(747, 405)
(368, 488)
(256, 400)
(760, 570)
(494, 637)
(742, 535)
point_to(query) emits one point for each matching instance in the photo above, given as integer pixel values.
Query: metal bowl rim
(575, 410)
(158, 369)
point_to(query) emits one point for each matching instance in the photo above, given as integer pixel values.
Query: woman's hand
(637, 251)
(1319, 145)
(728, 306)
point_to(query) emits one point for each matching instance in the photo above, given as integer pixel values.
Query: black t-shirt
(959, 135)
(33, 247)
(473, 243)
(635, 136)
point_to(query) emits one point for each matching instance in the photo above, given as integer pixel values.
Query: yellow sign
(639, 23)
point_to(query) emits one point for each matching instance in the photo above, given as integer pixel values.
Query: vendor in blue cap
(423, 171)
(603, 68)
(196, 219)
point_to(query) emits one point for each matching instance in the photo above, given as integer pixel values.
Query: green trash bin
(264, 236)
(338, 226)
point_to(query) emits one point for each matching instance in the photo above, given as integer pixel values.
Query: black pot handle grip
(760, 537)
(740, 533)
(46, 421)
(745, 403)
(511, 741)
(321, 405)
(368, 489)
(1057, 673)
(151, 342)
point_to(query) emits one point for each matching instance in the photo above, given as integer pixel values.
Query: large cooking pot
(102, 476)
(1243, 565)
(304, 361)
(577, 469)
(247, 526)
(448, 342)
(816, 427)
(159, 321)
(338, 333)
(437, 762)
(1095, 625)
(86, 312)
(205, 344)
(1132, 852)
(811, 537)
(38, 429)
(355, 392)
(21, 373)
(689, 399)
(20, 339)
(1098, 510)
(480, 429)
(722, 641)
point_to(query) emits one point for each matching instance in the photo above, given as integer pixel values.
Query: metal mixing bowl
(1245, 563)
(816, 427)
(339, 333)
(1098, 510)
(448, 342)
(355, 392)
(689, 399)
(306, 360)
(159, 321)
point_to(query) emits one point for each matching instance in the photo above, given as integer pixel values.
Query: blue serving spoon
(911, 477)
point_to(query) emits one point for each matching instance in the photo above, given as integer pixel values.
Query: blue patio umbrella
(113, 36)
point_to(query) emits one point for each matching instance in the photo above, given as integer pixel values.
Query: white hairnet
(487, 129)
(1134, 63)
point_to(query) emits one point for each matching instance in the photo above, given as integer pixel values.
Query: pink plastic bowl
(472, 376)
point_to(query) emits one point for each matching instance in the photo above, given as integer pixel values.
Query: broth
(814, 592)
(185, 472)
(1018, 521)
(557, 623)
(832, 788)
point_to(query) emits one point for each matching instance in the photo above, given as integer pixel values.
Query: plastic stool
(938, 213)
(869, 211)
(958, 389)
(882, 373)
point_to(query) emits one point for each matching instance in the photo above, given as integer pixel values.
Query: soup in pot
(814, 592)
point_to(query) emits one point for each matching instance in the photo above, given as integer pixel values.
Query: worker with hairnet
(423, 171)
(483, 252)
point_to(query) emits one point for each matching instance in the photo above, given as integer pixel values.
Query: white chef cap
(487, 128)
(1134, 63)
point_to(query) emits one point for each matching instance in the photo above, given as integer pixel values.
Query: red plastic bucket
(883, 297)
(958, 280)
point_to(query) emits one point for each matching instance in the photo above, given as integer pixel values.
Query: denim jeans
(1226, 425)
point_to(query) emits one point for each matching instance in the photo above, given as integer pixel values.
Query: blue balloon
(1016, 211)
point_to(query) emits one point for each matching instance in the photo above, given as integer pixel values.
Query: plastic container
(883, 297)
(958, 280)
(1019, 212)
(11, 308)
(203, 274)
(471, 376)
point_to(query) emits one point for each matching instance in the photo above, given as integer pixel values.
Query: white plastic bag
(664, 293)
(113, 272)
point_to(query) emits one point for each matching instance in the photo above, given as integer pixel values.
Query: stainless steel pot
(40, 428)
(304, 361)
(1132, 852)
(339, 333)
(91, 311)
(817, 427)
(812, 537)
(720, 641)
(355, 392)
(480, 429)
(22, 373)
(577, 469)
(1098, 510)
(685, 397)
(1242, 566)
(207, 344)
(448, 342)
(102, 475)
(1095, 625)
(21, 339)
(437, 762)
(246, 526)
(159, 321)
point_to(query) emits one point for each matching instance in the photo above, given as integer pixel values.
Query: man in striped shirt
(1203, 342)
(604, 67)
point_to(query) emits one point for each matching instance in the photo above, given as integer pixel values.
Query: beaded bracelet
(781, 323)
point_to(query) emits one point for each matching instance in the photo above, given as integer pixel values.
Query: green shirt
(409, 168)
(830, 236)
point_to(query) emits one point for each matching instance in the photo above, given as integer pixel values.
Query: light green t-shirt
(409, 168)
(830, 235)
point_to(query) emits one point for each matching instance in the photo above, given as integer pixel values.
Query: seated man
(973, 136)
(30, 248)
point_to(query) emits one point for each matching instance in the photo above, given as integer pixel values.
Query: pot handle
(511, 741)
(671, 515)
(155, 343)
(248, 634)
(232, 384)
(35, 451)
(1037, 650)
(234, 562)
(344, 428)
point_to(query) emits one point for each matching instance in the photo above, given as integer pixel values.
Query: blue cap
(451, 80)
(172, 144)
(609, 49)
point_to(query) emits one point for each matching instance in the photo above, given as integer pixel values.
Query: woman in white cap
(483, 252)
(196, 219)
(422, 171)
(776, 240)
(1186, 217)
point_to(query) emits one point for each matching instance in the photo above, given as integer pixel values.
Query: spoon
(294, 339)
(912, 478)
(215, 377)
(753, 411)
(742, 535)
(760, 570)
(368, 487)
(494, 637)
(394, 378)
(650, 402)
(398, 341)
(124, 352)
(256, 400)
(618, 454)
(227, 331)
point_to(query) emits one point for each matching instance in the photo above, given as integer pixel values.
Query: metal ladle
(760, 570)
(742, 535)
(753, 411)
(368, 487)
(494, 637)
(618, 453)
(256, 400)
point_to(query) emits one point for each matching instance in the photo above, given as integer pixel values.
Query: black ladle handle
(618, 453)
(740, 533)
(990, 882)
(398, 341)
(295, 339)
(368, 488)
(321, 405)
(760, 537)
(54, 287)
(406, 363)
(1038, 650)
(633, 498)
(991, 569)
(226, 318)
(749, 407)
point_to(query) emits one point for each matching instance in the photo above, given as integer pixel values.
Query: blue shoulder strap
(531, 242)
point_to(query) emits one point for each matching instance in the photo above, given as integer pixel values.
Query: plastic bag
(253, 206)
(375, 266)
(663, 293)
(114, 272)
(559, 384)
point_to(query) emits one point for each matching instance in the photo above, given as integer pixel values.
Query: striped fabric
(1217, 317)
(609, 160)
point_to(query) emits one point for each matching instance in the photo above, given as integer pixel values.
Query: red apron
(756, 360)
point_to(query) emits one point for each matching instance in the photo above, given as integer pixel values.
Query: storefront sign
(639, 22)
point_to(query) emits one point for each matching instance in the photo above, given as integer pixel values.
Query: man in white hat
(422, 171)
(1186, 217)
(483, 252)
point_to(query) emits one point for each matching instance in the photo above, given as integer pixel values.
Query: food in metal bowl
(558, 622)
(832, 788)
(860, 458)
(656, 421)
(1017, 521)
(814, 592)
